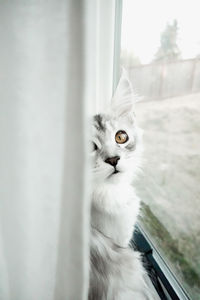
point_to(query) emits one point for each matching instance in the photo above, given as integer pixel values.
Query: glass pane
(161, 52)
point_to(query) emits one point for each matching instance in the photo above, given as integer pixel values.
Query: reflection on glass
(161, 52)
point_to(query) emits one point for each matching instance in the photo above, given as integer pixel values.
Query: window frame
(117, 42)
(163, 279)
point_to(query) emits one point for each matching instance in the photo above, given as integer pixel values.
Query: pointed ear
(123, 100)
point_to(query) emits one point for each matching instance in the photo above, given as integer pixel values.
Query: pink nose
(112, 160)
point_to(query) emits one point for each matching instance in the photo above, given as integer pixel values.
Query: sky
(144, 20)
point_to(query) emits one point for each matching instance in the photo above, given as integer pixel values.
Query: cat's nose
(112, 160)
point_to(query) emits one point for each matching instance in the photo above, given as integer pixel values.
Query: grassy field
(170, 183)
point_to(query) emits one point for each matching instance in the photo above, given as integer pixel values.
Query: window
(160, 48)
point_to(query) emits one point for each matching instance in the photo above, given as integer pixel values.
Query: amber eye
(121, 137)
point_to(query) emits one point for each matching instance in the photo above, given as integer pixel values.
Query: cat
(116, 271)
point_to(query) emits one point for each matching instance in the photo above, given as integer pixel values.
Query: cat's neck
(114, 211)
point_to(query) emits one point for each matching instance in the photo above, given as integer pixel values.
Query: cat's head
(116, 139)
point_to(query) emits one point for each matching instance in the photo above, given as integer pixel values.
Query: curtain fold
(52, 71)
(72, 262)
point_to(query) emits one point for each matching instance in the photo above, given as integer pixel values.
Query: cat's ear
(124, 99)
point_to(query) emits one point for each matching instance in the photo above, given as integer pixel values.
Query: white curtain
(55, 69)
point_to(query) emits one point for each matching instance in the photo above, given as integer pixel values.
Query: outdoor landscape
(169, 184)
(162, 58)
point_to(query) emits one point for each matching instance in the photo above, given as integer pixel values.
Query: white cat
(116, 271)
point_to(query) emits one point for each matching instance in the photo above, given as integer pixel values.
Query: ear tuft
(124, 98)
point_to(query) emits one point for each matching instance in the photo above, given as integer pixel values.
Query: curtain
(55, 70)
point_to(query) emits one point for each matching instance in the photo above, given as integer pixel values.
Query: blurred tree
(168, 50)
(129, 59)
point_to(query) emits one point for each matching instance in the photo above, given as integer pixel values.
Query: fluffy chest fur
(114, 211)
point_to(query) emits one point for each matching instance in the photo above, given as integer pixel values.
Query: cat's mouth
(115, 171)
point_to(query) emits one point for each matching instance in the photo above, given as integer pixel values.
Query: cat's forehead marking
(98, 122)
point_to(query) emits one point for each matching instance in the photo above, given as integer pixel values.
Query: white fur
(115, 205)
(114, 211)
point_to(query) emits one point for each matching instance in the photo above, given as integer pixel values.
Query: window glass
(160, 49)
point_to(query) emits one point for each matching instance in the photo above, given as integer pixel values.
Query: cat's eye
(121, 137)
(94, 146)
